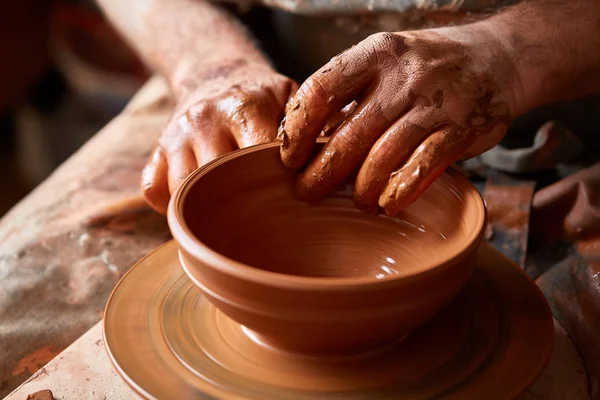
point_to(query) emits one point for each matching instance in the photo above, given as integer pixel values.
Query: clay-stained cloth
(55, 273)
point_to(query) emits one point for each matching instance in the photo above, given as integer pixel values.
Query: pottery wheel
(169, 342)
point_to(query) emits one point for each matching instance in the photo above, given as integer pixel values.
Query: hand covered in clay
(231, 106)
(424, 100)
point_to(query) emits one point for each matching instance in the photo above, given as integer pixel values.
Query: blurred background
(64, 73)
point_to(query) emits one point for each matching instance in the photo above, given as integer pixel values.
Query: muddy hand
(424, 100)
(222, 112)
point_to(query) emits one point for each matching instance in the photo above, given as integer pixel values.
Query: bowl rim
(197, 249)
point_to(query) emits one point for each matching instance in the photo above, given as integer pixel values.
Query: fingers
(256, 122)
(328, 90)
(209, 145)
(425, 165)
(186, 150)
(154, 181)
(284, 92)
(390, 151)
(337, 119)
(485, 142)
(346, 149)
(181, 163)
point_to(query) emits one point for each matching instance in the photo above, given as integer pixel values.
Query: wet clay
(321, 277)
(263, 224)
(41, 395)
(332, 240)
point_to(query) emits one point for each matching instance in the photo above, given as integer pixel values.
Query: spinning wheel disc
(168, 341)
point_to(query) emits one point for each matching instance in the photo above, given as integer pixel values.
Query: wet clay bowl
(320, 278)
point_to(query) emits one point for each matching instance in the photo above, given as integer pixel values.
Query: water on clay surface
(247, 210)
(321, 241)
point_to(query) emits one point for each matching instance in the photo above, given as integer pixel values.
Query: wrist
(551, 64)
(493, 55)
(191, 73)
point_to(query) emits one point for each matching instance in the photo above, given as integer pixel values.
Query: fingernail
(385, 202)
(310, 189)
(147, 177)
(282, 135)
(302, 191)
(363, 205)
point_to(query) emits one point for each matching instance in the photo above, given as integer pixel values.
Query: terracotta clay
(569, 208)
(324, 277)
(41, 395)
(168, 341)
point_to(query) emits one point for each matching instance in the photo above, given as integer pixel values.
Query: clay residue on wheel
(45, 394)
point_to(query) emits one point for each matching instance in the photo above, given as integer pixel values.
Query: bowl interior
(244, 207)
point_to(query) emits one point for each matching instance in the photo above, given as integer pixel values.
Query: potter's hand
(233, 105)
(425, 99)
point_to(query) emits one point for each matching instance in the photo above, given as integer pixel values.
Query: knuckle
(314, 90)
(282, 80)
(172, 140)
(186, 126)
(348, 140)
(241, 105)
(179, 174)
(165, 139)
(381, 41)
(379, 163)
(199, 111)
(336, 59)
(383, 38)
(376, 43)
(283, 88)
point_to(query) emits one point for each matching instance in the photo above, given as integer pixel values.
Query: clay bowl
(320, 278)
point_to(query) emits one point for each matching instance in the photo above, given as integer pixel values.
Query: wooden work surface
(84, 371)
(56, 271)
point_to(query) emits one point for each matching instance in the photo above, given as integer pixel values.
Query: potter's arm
(555, 46)
(228, 95)
(181, 38)
(431, 97)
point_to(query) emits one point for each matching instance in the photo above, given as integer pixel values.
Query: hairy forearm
(185, 40)
(555, 46)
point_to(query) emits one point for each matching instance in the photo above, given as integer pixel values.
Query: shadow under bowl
(321, 278)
